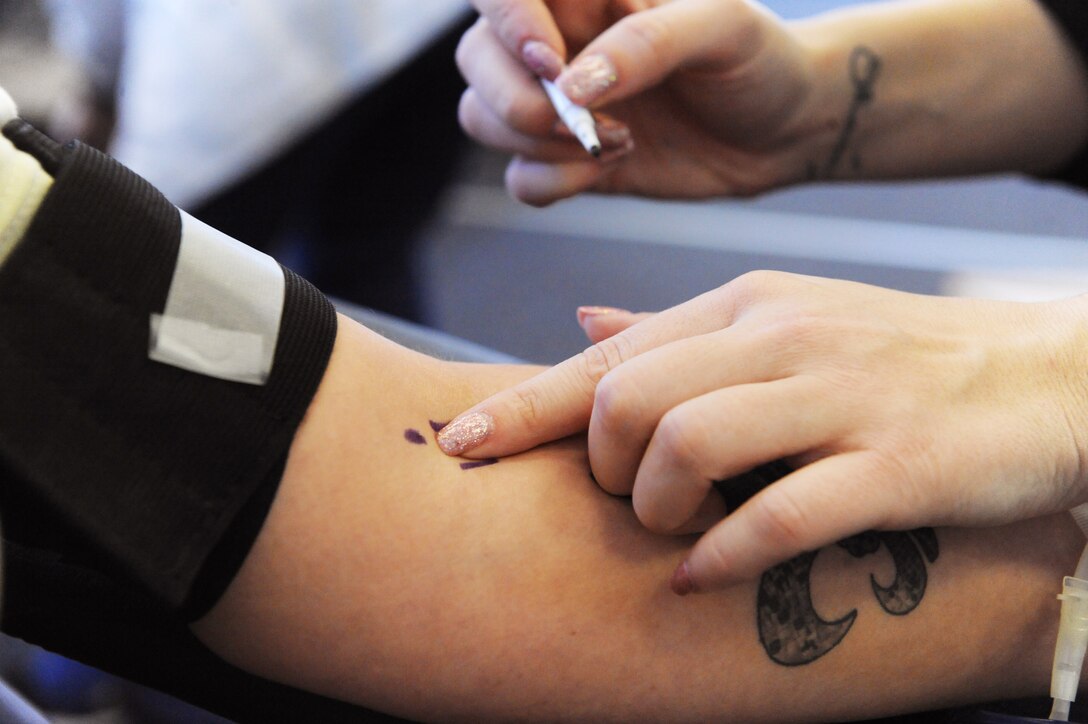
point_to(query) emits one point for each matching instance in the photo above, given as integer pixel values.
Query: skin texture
(722, 98)
(388, 576)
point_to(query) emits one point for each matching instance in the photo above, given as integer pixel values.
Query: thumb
(646, 47)
(528, 31)
(603, 322)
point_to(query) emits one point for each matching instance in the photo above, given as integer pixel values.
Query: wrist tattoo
(864, 68)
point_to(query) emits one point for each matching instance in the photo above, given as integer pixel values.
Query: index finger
(520, 22)
(558, 402)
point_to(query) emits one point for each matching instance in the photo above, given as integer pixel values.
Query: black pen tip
(596, 151)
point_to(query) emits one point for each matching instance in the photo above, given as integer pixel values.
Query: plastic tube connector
(1071, 646)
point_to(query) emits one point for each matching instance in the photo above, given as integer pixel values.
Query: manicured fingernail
(465, 433)
(584, 313)
(613, 134)
(681, 583)
(588, 78)
(542, 59)
(615, 154)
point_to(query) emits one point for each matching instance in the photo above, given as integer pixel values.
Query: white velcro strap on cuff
(222, 315)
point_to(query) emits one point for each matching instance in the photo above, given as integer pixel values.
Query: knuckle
(757, 283)
(506, 18)
(678, 441)
(467, 114)
(784, 332)
(599, 359)
(612, 484)
(464, 52)
(648, 512)
(615, 403)
(650, 31)
(528, 407)
(741, 293)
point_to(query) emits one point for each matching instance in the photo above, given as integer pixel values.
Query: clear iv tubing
(1072, 632)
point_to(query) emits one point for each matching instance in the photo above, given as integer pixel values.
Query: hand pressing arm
(388, 575)
(897, 411)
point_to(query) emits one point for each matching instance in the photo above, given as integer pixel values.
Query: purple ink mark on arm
(436, 426)
(414, 437)
(479, 464)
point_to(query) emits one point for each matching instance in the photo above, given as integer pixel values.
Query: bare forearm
(931, 87)
(390, 576)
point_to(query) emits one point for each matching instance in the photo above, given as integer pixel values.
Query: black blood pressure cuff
(1072, 17)
(113, 462)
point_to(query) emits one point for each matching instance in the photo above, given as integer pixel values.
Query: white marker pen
(577, 119)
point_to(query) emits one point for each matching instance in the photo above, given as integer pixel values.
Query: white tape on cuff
(222, 315)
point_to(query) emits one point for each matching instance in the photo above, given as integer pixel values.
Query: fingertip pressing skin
(681, 583)
(694, 575)
(465, 432)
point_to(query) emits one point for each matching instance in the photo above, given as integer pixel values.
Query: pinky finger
(814, 506)
(541, 184)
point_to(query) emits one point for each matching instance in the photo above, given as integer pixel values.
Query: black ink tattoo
(790, 630)
(906, 591)
(864, 70)
(414, 437)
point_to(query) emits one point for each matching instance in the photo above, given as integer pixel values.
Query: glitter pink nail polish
(588, 78)
(465, 433)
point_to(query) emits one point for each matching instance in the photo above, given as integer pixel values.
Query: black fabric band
(148, 468)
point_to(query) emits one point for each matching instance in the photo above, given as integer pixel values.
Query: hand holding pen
(577, 119)
(666, 92)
